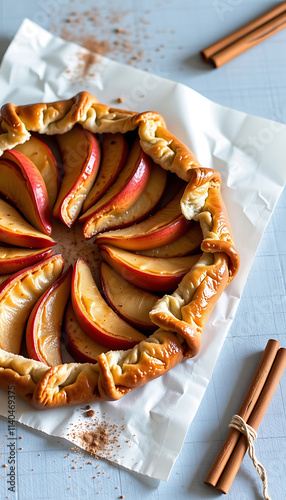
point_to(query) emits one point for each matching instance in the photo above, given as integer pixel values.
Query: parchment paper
(150, 423)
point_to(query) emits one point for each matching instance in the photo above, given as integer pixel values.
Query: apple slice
(40, 154)
(114, 150)
(22, 183)
(138, 239)
(12, 259)
(129, 185)
(130, 302)
(96, 318)
(164, 227)
(43, 332)
(140, 209)
(14, 230)
(149, 273)
(189, 243)
(81, 347)
(19, 293)
(81, 158)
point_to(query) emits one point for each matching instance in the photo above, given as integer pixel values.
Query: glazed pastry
(181, 314)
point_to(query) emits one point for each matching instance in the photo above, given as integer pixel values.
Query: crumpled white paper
(249, 153)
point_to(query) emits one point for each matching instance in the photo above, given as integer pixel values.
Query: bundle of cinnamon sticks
(246, 37)
(253, 407)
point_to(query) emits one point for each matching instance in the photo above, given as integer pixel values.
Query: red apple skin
(82, 354)
(25, 241)
(34, 317)
(4, 277)
(5, 287)
(114, 150)
(165, 226)
(39, 153)
(36, 187)
(144, 326)
(96, 334)
(23, 271)
(8, 235)
(141, 208)
(124, 192)
(83, 179)
(143, 279)
(12, 266)
(187, 244)
(157, 238)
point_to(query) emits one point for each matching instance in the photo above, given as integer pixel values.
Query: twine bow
(240, 425)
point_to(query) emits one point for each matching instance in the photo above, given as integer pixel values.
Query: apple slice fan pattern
(166, 258)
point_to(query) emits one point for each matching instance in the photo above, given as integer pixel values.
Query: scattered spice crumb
(20, 437)
(119, 30)
(109, 38)
(4, 465)
(97, 437)
(89, 413)
(120, 100)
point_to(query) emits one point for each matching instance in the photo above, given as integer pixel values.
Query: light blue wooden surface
(171, 33)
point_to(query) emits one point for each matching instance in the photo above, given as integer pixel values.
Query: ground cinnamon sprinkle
(101, 33)
(89, 413)
(99, 438)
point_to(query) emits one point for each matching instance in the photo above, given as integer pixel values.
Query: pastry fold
(115, 374)
(180, 316)
(188, 308)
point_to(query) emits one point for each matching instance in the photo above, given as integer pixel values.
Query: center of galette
(87, 277)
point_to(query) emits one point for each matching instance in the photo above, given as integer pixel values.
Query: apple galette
(161, 229)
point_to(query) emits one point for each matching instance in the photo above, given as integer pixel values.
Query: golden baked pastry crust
(181, 316)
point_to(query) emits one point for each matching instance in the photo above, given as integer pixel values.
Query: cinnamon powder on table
(99, 30)
(89, 29)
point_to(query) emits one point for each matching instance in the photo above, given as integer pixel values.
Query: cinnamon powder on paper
(99, 438)
(96, 440)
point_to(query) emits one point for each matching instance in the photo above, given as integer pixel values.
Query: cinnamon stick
(249, 401)
(246, 37)
(254, 420)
